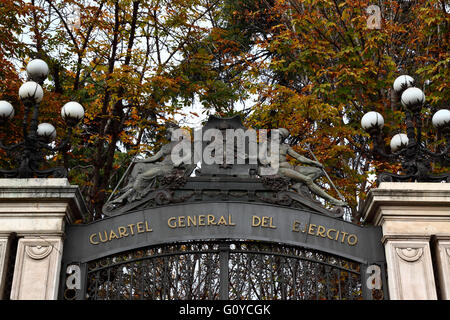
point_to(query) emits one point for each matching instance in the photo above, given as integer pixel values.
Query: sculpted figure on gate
(144, 176)
(300, 175)
(165, 177)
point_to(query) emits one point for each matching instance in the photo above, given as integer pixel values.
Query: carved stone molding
(2, 251)
(3, 263)
(442, 246)
(38, 252)
(37, 267)
(410, 269)
(409, 254)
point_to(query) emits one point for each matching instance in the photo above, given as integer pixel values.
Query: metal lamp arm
(443, 153)
(61, 146)
(378, 149)
(11, 147)
(443, 156)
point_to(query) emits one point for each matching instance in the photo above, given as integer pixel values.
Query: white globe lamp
(441, 119)
(46, 131)
(398, 142)
(413, 98)
(372, 120)
(402, 83)
(6, 110)
(72, 112)
(37, 70)
(31, 92)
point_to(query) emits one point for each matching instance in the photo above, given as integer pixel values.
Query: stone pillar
(412, 216)
(37, 210)
(410, 269)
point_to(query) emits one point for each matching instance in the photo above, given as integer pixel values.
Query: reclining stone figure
(143, 177)
(303, 175)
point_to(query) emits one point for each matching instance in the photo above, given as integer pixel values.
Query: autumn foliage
(310, 66)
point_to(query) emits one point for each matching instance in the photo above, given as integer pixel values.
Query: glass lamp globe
(441, 119)
(413, 98)
(31, 91)
(372, 120)
(399, 141)
(72, 112)
(402, 83)
(6, 110)
(46, 131)
(37, 70)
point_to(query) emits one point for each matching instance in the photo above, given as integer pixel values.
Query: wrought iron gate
(224, 270)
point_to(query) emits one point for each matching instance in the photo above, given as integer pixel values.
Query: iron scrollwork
(415, 157)
(223, 270)
(30, 153)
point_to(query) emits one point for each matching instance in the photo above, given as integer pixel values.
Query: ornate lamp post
(37, 137)
(409, 148)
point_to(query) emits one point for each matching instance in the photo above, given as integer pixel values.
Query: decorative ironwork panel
(181, 271)
(223, 270)
(270, 271)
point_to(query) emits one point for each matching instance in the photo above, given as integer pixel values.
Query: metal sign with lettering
(226, 221)
(221, 220)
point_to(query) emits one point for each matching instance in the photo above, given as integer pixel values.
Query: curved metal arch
(288, 229)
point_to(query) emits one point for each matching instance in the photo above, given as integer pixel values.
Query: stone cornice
(49, 197)
(396, 196)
